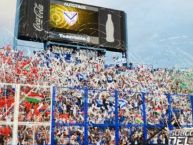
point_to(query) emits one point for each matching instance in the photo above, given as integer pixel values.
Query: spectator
(69, 106)
(75, 68)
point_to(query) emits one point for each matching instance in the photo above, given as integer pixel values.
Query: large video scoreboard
(74, 23)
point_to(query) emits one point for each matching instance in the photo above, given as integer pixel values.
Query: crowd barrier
(86, 116)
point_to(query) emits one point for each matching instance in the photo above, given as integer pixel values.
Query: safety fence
(56, 115)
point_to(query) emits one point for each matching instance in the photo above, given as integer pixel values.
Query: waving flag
(158, 111)
(122, 103)
(138, 119)
(27, 67)
(34, 97)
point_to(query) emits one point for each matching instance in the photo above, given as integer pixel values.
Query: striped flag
(34, 97)
(138, 119)
(158, 111)
(27, 67)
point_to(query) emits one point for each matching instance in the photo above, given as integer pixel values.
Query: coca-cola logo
(38, 11)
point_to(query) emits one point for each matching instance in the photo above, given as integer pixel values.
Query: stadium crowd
(35, 104)
(159, 138)
(130, 108)
(99, 136)
(7, 94)
(182, 110)
(156, 108)
(69, 135)
(5, 135)
(101, 107)
(37, 135)
(69, 106)
(131, 136)
(134, 136)
(78, 68)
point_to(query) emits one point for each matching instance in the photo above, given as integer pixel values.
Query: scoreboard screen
(73, 20)
(74, 23)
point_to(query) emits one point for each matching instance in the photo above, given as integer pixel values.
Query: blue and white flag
(122, 103)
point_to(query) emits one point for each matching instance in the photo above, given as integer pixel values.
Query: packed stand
(35, 104)
(130, 108)
(7, 95)
(69, 106)
(131, 136)
(36, 135)
(105, 136)
(101, 107)
(157, 109)
(69, 135)
(158, 137)
(79, 68)
(182, 110)
(5, 134)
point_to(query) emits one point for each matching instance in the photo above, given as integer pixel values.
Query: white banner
(181, 137)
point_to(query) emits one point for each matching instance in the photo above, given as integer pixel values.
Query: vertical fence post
(85, 116)
(144, 117)
(116, 117)
(191, 100)
(16, 114)
(169, 111)
(53, 93)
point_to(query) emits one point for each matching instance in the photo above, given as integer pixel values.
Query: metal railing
(149, 115)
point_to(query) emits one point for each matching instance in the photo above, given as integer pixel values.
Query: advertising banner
(73, 23)
(33, 22)
(181, 137)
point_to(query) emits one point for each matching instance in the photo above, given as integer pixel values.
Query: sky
(159, 32)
